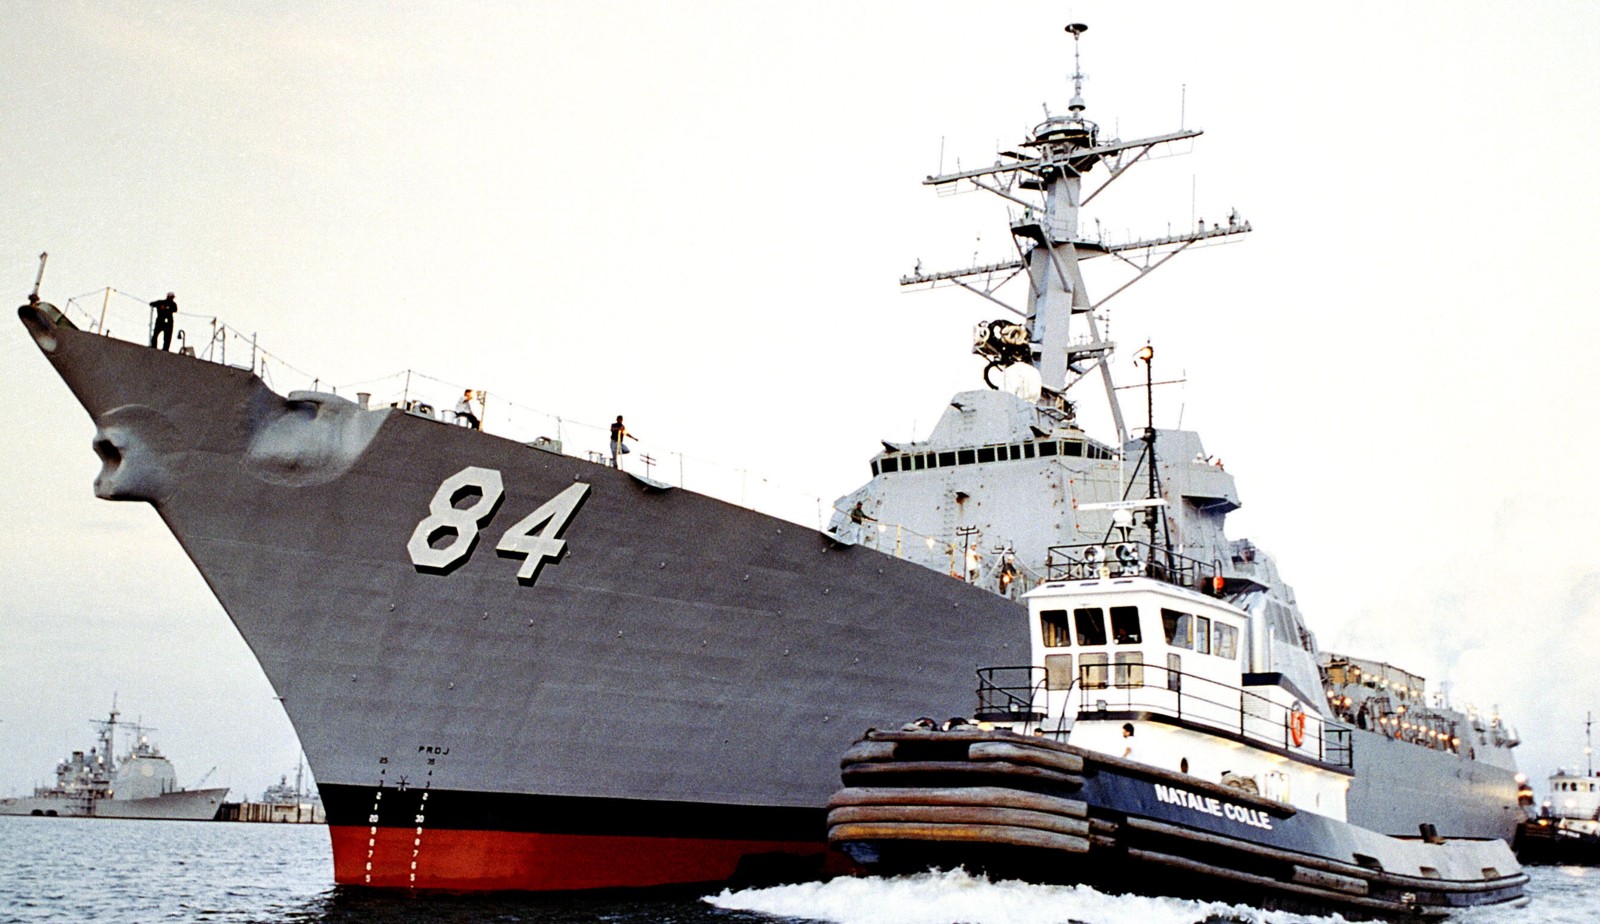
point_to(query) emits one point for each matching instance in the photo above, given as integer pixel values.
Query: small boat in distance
(142, 784)
(1567, 828)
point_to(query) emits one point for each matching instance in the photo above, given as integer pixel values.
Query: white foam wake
(957, 897)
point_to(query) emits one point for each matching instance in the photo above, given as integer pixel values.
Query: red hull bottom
(485, 861)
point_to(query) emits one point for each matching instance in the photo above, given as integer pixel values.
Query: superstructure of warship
(516, 668)
(96, 784)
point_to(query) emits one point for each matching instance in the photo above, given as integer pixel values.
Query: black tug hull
(1016, 807)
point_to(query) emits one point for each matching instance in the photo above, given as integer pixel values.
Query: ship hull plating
(1399, 786)
(532, 842)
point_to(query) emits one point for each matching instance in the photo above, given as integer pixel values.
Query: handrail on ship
(109, 311)
(1087, 561)
(876, 536)
(99, 310)
(1129, 688)
(1014, 701)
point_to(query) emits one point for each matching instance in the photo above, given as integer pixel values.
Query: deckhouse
(1142, 657)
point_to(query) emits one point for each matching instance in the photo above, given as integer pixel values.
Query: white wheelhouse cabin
(1140, 669)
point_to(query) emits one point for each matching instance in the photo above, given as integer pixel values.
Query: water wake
(958, 897)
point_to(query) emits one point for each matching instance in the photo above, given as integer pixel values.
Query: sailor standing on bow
(165, 309)
(618, 434)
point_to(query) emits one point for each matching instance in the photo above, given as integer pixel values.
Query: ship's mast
(1057, 283)
(1588, 741)
(1047, 183)
(108, 735)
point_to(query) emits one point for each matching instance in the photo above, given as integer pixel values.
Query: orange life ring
(1297, 725)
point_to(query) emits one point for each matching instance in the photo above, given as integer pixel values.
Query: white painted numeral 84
(536, 538)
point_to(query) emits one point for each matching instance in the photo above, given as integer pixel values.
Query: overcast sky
(696, 214)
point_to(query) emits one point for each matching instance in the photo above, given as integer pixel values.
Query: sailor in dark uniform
(165, 309)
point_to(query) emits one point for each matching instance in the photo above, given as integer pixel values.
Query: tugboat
(1142, 756)
(1176, 730)
(143, 784)
(1566, 830)
(462, 624)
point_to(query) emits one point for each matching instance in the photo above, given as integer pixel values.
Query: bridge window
(1125, 625)
(986, 454)
(1130, 669)
(1202, 635)
(1179, 628)
(1058, 671)
(1053, 625)
(966, 456)
(1091, 623)
(1226, 642)
(1072, 448)
(946, 459)
(1049, 449)
(1096, 672)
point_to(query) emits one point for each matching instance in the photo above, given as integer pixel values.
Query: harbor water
(137, 872)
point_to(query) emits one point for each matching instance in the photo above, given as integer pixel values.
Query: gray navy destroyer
(516, 668)
(97, 784)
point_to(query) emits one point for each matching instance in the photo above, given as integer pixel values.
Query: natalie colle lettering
(1210, 806)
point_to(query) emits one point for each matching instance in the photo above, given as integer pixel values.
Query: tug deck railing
(1086, 561)
(1023, 694)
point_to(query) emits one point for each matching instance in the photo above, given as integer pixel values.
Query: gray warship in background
(516, 668)
(142, 784)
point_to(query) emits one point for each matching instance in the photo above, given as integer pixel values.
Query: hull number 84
(464, 504)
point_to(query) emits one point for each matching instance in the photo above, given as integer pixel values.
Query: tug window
(1226, 642)
(1179, 628)
(1095, 670)
(1125, 625)
(1091, 625)
(1174, 672)
(1202, 635)
(1053, 625)
(1058, 671)
(1130, 669)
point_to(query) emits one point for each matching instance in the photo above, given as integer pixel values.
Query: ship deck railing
(128, 317)
(1035, 697)
(1087, 561)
